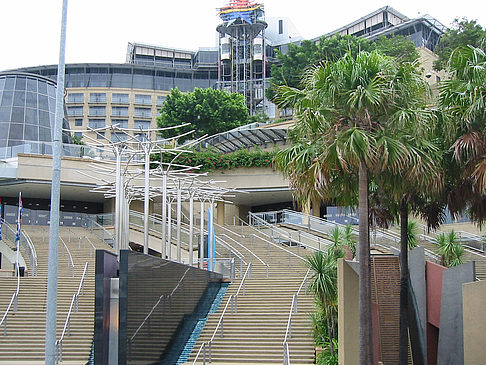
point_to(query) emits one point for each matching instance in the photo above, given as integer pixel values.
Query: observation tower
(241, 65)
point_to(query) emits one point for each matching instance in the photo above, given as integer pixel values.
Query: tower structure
(241, 66)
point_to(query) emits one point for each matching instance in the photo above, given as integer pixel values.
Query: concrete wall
(451, 343)
(474, 322)
(348, 314)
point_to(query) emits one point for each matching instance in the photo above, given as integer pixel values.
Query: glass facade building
(27, 109)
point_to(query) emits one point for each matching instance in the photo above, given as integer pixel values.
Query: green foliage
(450, 249)
(210, 160)
(348, 238)
(77, 139)
(462, 33)
(291, 65)
(412, 234)
(326, 357)
(398, 46)
(209, 111)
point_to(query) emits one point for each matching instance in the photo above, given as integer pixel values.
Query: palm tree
(357, 115)
(323, 283)
(450, 249)
(463, 98)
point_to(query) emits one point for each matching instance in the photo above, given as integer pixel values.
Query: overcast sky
(99, 30)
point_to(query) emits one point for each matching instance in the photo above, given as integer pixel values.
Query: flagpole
(51, 301)
(17, 238)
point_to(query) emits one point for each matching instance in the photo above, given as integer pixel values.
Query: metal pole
(169, 231)
(178, 231)
(146, 201)
(164, 214)
(201, 238)
(51, 301)
(117, 201)
(191, 228)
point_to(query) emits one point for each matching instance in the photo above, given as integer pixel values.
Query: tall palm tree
(463, 98)
(360, 113)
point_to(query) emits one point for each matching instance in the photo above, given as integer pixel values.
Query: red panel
(432, 344)
(434, 274)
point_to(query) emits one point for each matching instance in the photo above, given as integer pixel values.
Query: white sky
(99, 30)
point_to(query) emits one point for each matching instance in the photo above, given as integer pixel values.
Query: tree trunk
(365, 324)
(403, 282)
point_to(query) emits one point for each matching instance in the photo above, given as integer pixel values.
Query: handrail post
(204, 353)
(15, 302)
(222, 327)
(79, 242)
(210, 352)
(267, 271)
(295, 299)
(5, 326)
(69, 327)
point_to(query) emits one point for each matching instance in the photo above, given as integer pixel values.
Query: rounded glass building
(27, 109)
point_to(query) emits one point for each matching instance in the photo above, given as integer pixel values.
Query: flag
(19, 217)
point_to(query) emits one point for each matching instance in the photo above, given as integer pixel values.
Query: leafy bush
(210, 160)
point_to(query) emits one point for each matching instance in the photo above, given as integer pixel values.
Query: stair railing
(72, 308)
(314, 243)
(97, 229)
(25, 242)
(293, 309)
(251, 253)
(86, 239)
(13, 302)
(206, 347)
(70, 261)
(162, 299)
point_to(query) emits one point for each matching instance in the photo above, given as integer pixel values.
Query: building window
(78, 122)
(76, 98)
(119, 111)
(280, 26)
(100, 135)
(160, 100)
(143, 124)
(75, 111)
(78, 134)
(97, 98)
(97, 110)
(96, 123)
(143, 112)
(143, 99)
(119, 98)
(122, 123)
(117, 137)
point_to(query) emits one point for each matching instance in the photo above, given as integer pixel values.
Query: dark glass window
(75, 110)
(43, 102)
(9, 83)
(120, 111)
(31, 132)
(76, 98)
(20, 84)
(143, 112)
(17, 115)
(42, 88)
(31, 99)
(97, 110)
(144, 124)
(7, 98)
(78, 122)
(160, 100)
(122, 123)
(31, 85)
(97, 98)
(96, 123)
(143, 99)
(119, 98)
(31, 116)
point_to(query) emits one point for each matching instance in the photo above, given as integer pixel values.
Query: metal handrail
(288, 235)
(226, 229)
(26, 243)
(293, 309)
(13, 301)
(93, 248)
(67, 323)
(147, 317)
(99, 226)
(70, 261)
(246, 248)
(233, 299)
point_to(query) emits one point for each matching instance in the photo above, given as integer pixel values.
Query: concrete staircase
(25, 339)
(256, 332)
